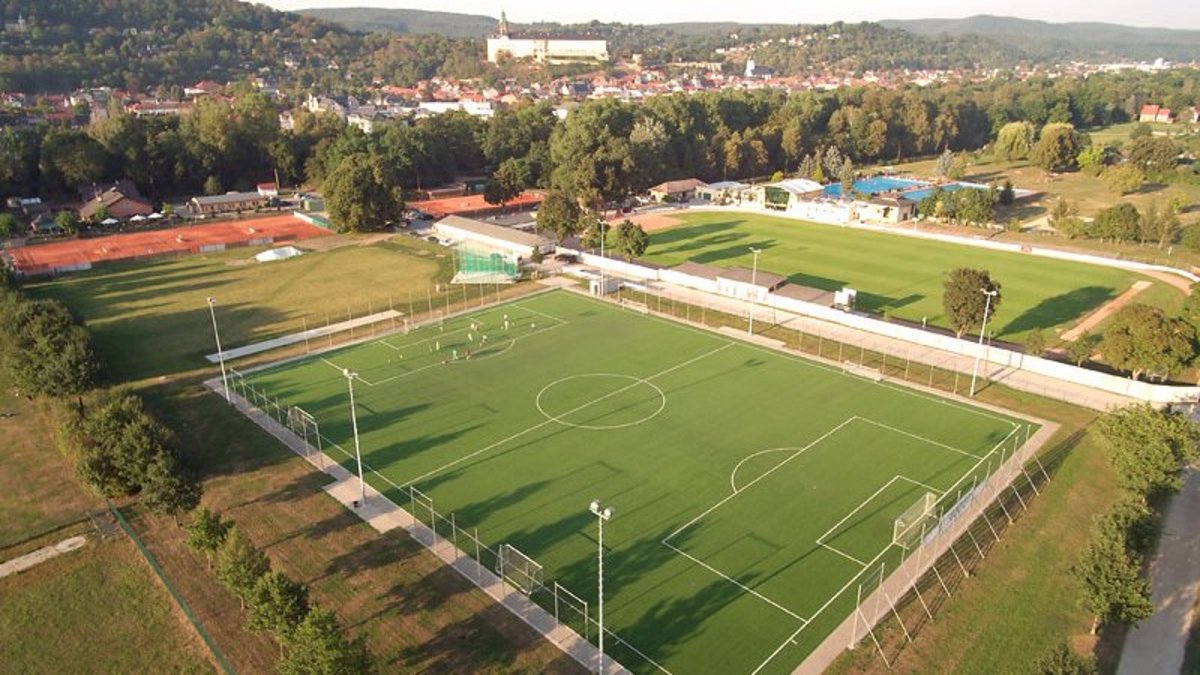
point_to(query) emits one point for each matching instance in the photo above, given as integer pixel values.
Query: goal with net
(909, 526)
(518, 569)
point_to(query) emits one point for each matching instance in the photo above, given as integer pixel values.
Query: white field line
(530, 309)
(735, 582)
(576, 409)
(918, 437)
(924, 485)
(848, 516)
(391, 378)
(812, 363)
(845, 555)
(733, 474)
(773, 469)
(441, 335)
(870, 564)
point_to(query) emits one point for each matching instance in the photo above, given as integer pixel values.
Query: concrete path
(22, 563)
(1097, 317)
(1157, 644)
(900, 349)
(384, 515)
(302, 336)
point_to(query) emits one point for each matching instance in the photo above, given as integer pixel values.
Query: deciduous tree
(206, 532)
(1140, 339)
(1057, 147)
(1014, 141)
(362, 194)
(277, 604)
(964, 299)
(240, 564)
(319, 647)
(632, 240)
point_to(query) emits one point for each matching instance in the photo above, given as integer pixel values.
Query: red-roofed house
(1154, 113)
(203, 88)
(268, 189)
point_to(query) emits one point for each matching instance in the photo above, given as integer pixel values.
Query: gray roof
(231, 198)
(502, 233)
(744, 275)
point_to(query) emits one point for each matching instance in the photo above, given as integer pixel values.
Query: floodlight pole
(987, 305)
(220, 354)
(362, 486)
(754, 283)
(602, 514)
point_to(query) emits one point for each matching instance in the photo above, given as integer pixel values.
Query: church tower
(503, 29)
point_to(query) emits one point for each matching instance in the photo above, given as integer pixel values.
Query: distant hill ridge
(1040, 36)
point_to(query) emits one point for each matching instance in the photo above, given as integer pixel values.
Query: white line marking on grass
(930, 441)
(924, 485)
(733, 474)
(845, 555)
(848, 516)
(661, 406)
(735, 582)
(770, 471)
(576, 409)
(548, 316)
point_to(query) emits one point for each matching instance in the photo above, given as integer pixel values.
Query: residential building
(117, 203)
(268, 190)
(676, 190)
(1154, 113)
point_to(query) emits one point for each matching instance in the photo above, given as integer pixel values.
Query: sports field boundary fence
(888, 613)
(565, 613)
(217, 655)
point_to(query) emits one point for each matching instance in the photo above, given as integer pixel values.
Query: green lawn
(152, 318)
(752, 489)
(899, 275)
(94, 610)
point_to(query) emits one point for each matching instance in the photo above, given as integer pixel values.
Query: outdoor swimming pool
(876, 185)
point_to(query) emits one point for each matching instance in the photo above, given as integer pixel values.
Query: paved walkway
(384, 515)
(1157, 644)
(901, 350)
(22, 563)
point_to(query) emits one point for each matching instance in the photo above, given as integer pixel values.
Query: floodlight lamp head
(594, 507)
(212, 300)
(607, 513)
(350, 374)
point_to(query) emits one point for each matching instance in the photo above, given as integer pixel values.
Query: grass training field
(753, 490)
(151, 318)
(899, 275)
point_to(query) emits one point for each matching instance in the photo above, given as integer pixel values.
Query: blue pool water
(876, 185)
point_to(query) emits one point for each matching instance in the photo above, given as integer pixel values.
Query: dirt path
(1157, 644)
(659, 220)
(1095, 318)
(1173, 279)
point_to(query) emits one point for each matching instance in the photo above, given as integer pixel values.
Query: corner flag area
(753, 491)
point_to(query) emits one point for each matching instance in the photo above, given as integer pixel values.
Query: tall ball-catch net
(479, 266)
(908, 528)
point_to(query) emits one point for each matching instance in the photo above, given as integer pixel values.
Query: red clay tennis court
(473, 205)
(81, 254)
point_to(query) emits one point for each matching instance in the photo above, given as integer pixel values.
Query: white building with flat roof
(544, 48)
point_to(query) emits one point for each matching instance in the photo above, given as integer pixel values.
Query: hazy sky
(1165, 13)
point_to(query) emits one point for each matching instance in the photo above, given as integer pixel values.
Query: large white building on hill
(544, 48)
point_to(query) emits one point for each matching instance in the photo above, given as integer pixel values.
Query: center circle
(601, 401)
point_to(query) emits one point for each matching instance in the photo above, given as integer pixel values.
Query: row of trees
(1149, 448)
(311, 640)
(117, 447)
(1122, 223)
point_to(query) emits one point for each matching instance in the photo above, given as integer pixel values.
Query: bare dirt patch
(651, 222)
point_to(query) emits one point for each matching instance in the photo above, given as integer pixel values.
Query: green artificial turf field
(895, 274)
(753, 490)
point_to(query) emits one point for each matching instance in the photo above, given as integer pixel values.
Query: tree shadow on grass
(1060, 309)
(689, 234)
(732, 252)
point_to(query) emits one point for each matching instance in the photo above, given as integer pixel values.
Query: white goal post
(305, 426)
(519, 569)
(908, 527)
